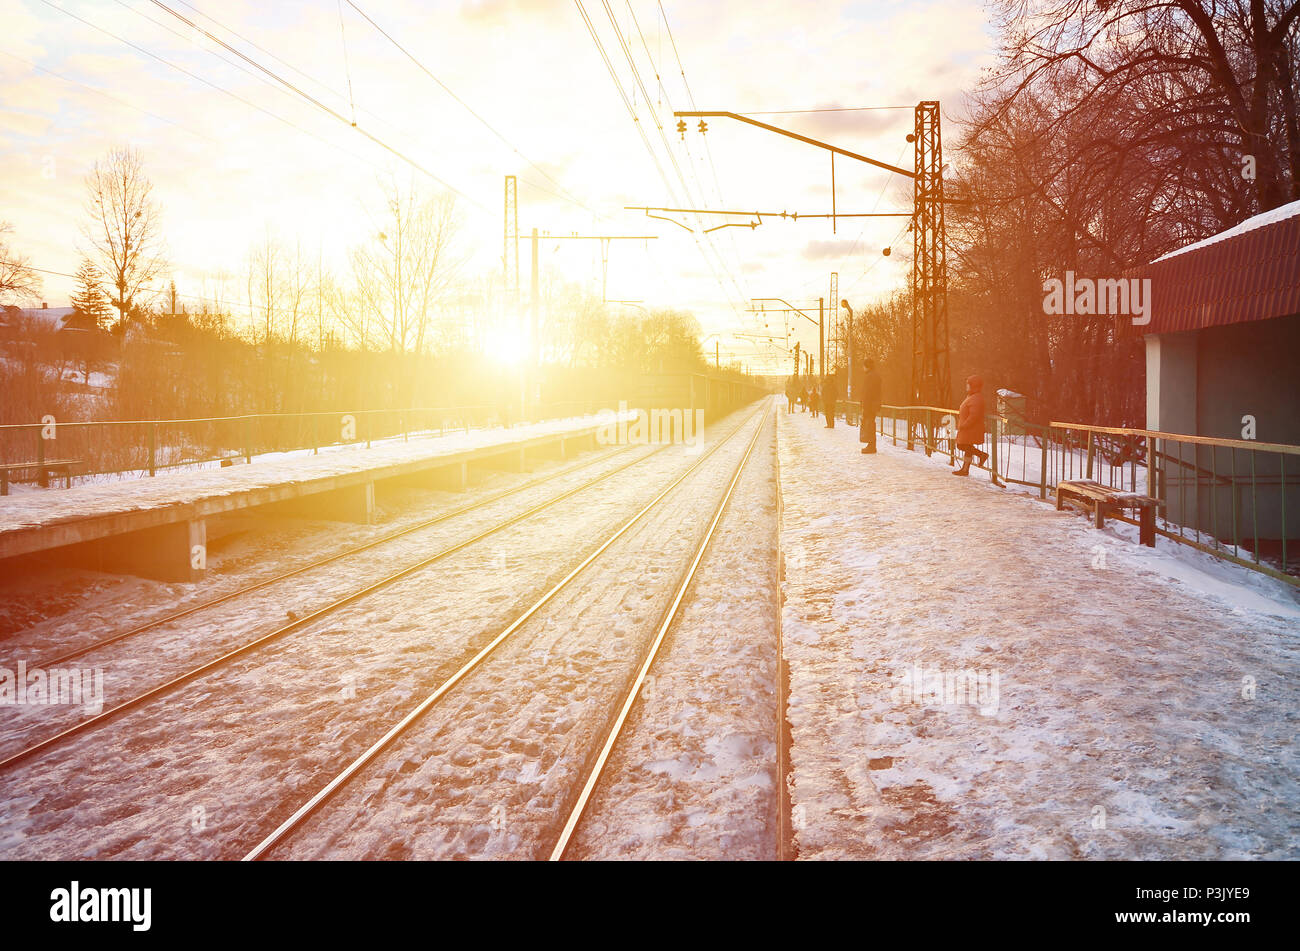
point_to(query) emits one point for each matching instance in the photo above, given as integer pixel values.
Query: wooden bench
(1099, 500)
(62, 466)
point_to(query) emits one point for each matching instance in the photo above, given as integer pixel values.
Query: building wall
(1250, 369)
(1203, 382)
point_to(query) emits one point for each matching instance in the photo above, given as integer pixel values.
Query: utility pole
(604, 240)
(531, 370)
(930, 360)
(848, 348)
(820, 322)
(931, 383)
(535, 305)
(510, 251)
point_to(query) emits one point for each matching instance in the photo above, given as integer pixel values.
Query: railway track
(297, 820)
(317, 564)
(224, 659)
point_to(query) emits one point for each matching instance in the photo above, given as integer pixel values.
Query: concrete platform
(154, 527)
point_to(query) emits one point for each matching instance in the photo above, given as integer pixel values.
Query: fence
(1222, 496)
(146, 446)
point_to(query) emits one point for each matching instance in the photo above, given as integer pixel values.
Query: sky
(494, 88)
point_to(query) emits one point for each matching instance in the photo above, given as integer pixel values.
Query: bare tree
(124, 227)
(18, 282)
(1200, 82)
(403, 274)
(298, 291)
(265, 284)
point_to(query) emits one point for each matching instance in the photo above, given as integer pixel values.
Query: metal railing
(144, 447)
(1221, 496)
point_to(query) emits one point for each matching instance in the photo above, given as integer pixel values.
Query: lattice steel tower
(931, 378)
(835, 322)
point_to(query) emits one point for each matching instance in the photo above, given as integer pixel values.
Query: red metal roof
(1249, 272)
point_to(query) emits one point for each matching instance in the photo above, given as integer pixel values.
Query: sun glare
(506, 347)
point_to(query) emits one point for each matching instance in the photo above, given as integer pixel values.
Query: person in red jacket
(970, 424)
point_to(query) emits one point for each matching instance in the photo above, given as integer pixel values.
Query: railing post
(993, 450)
(1090, 454)
(1236, 535)
(927, 433)
(1254, 508)
(1281, 459)
(153, 448)
(248, 445)
(1042, 471)
(1153, 487)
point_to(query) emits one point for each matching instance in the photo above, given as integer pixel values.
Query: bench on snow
(60, 466)
(1098, 501)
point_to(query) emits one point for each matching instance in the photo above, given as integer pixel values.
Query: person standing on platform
(814, 399)
(870, 406)
(830, 396)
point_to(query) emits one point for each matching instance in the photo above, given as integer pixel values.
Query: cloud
(827, 250)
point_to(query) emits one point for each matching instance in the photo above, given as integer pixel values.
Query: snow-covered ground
(492, 770)
(693, 775)
(216, 765)
(975, 675)
(1020, 462)
(972, 675)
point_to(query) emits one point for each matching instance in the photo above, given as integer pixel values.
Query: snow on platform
(196, 487)
(975, 675)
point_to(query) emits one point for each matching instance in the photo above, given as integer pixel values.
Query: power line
(636, 76)
(708, 151)
(342, 97)
(668, 148)
(468, 108)
(261, 49)
(348, 97)
(636, 121)
(314, 101)
(221, 89)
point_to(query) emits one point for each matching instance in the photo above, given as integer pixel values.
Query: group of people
(824, 396)
(803, 392)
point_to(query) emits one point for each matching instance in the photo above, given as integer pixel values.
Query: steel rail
(258, 585)
(335, 784)
(670, 615)
(182, 679)
(784, 834)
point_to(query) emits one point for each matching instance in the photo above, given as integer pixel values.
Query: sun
(506, 347)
